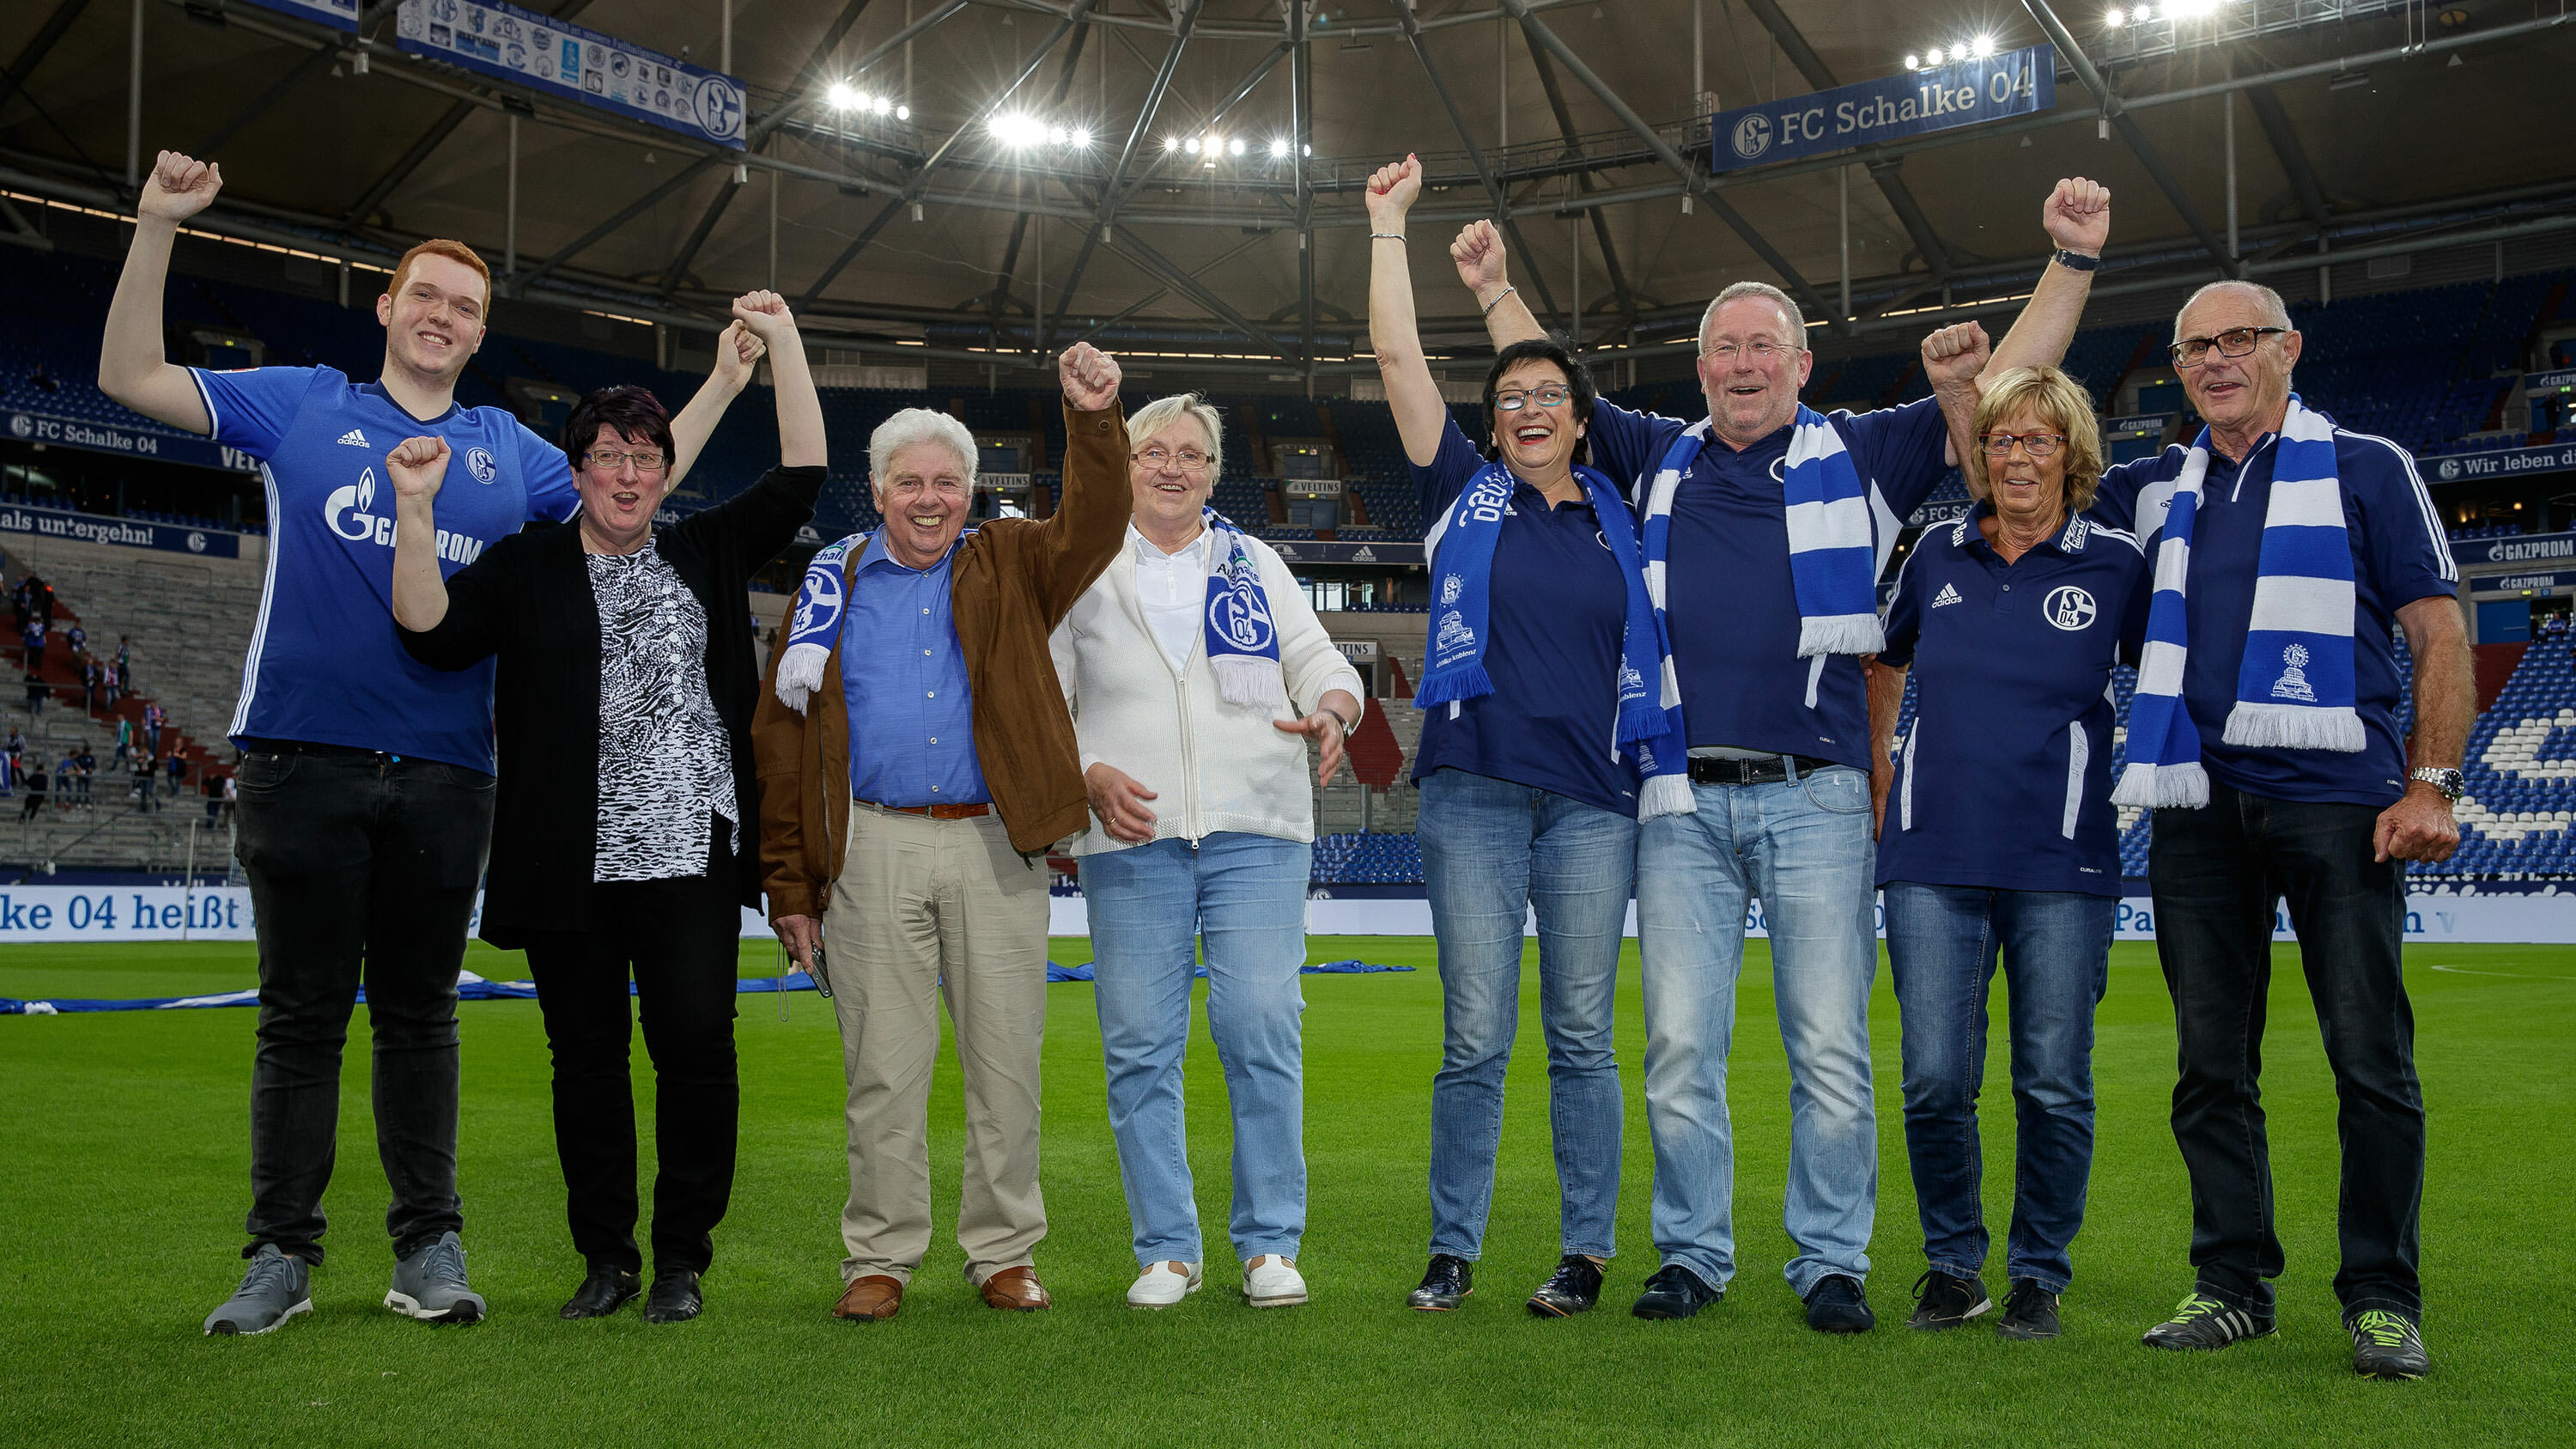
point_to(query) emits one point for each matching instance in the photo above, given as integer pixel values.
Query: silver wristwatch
(2450, 782)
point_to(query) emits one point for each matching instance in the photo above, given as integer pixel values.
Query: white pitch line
(2508, 975)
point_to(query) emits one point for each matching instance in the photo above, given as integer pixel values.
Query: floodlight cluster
(1021, 131)
(2171, 10)
(1980, 47)
(847, 98)
(1212, 148)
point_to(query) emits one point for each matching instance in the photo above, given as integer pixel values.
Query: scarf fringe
(1666, 795)
(2262, 726)
(1465, 682)
(1840, 634)
(2163, 787)
(800, 673)
(1248, 679)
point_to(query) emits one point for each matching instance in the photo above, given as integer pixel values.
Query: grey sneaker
(277, 1287)
(430, 1285)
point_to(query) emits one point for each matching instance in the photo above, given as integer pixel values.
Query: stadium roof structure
(991, 179)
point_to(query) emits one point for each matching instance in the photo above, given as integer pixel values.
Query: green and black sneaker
(2203, 1322)
(2387, 1345)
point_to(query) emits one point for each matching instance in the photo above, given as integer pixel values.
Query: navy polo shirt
(2005, 780)
(1553, 633)
(2399, 555)
(1729, 602)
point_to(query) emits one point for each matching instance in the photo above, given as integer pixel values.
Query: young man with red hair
(366, 779)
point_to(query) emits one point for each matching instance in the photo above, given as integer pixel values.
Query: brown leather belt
(935, 812)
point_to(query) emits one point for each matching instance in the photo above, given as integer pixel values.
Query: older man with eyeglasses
(2265, 736)
(1765, 526)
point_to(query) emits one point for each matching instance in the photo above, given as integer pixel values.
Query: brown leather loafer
(1017, 1288)
(872, 1299)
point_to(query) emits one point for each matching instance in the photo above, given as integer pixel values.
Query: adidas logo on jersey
(1948, 595)
(354, 438)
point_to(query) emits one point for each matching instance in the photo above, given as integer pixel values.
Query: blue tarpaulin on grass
(471, 987)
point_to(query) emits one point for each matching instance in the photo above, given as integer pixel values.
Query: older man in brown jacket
(900, 867)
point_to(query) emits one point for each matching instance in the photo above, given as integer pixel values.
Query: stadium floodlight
(1306, 150)
(2115, 19)
(1983, 46)
(2143, 14)
(882, 105)
(1058, 135)
(1171, 143)
(1278, 148)
(1191, 145)
(1234, 147)
(1934, 58)
(1081, 136)
(1913, 62)
(903, 113)
(841, 97)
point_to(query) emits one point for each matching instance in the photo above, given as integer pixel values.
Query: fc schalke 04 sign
(2016, 83)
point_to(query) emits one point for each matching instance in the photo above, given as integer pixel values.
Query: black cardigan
(528, 600)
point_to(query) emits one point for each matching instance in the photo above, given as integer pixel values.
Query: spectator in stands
(2264, 734)
(153, 717)
(143, 769)
(211, 785)
(1199, 633)
(622, 830)
(16, 746)
(36, 691)
(62, 783)
(232, 789)
(76, 639)
(2003, 837)
(124, 738)
(923, 863)
(35, 795)
(368, 776)
(84, 769)
(1526, 801)
(92, 675)
(177, 766)
(124, 666)
(1772, 611)
(33, 638)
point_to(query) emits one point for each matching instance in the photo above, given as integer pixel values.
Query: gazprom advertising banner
(2016, 83)
(568, 61)
(338, 14)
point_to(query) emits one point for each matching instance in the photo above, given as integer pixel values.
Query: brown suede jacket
(1015, 580)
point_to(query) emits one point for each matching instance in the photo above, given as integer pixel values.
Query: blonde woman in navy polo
(1997, 836)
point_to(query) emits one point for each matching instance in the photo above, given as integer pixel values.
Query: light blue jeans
(1490, 851)
(1803, 848)
(1245, 895)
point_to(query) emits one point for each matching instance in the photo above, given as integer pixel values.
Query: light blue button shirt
(903, 676)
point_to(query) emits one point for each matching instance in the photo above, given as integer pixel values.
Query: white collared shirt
(1172, 590)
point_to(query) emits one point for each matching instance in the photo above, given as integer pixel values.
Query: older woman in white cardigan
(1196, 673)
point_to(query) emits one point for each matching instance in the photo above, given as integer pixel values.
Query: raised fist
(738, 351)
(1955, 354)
(1392, 190)
(1478, 251)
(1090, 377)
(765, 313)
(179, 187)
(417, 466)
(2078, 215)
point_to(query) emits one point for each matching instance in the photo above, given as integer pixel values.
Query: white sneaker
(1163, 1284)
(1271, 1281)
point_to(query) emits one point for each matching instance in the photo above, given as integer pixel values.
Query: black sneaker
(2388, 1345)
(1445, 1284)
(1942, 1300)
(1573, 1288)
(2201, 1321)
(2030, 1311)
(1675, 1292)
(1835, 1305)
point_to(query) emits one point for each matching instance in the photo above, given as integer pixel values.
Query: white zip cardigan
(1214, 766)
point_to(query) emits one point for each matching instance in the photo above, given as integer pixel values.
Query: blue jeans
(1245, 895)
(1803, 847)
(1941, 947)
(1491, 850)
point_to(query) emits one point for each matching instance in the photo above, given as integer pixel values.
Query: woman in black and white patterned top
(620, 836)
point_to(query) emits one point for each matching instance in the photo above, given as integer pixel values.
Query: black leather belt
(259, 746)
(1707, 771)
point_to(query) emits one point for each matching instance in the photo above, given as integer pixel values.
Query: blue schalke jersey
(1553, 634)
(326, 663)
(1729, 601)
(2004, 782)
(2399, 555)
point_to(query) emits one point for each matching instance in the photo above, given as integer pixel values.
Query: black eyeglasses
(2234, 342)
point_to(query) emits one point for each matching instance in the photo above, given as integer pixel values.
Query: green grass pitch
(125, 1182)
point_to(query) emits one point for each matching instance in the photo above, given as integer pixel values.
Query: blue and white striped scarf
(1833, 551)
(1460, 545)
(1241, 636)
(815, 624)
(2294, 690)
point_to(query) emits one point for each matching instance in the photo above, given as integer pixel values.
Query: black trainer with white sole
(2387, 1345)
(2203, 1322)
(1945, 1300)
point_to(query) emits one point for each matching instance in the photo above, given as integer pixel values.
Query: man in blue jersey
(366, 782)
(2283, 776)
(1773, 700)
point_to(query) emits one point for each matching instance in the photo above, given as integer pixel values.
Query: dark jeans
(2216, 873)
(681, 938)
(1942, 943)
(358, 865)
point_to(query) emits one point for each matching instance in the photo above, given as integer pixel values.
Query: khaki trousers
(924, 908)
